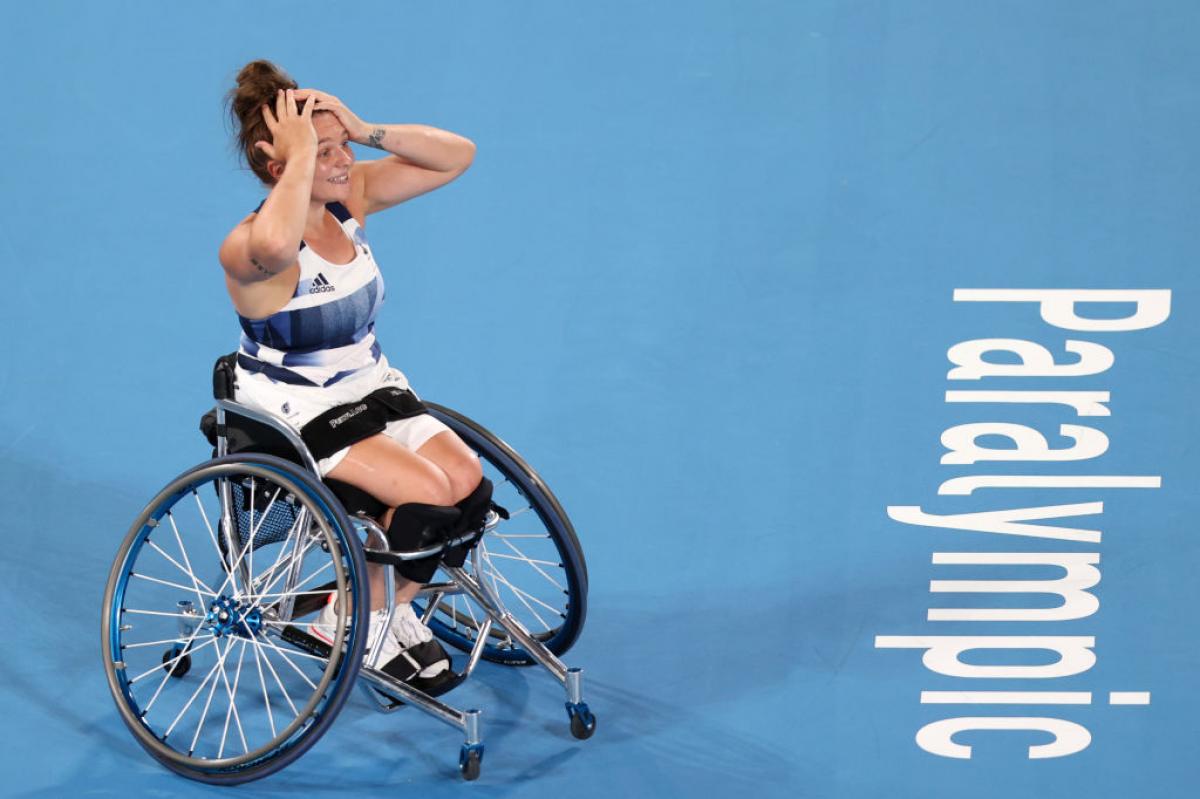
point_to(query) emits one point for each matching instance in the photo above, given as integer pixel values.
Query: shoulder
(340, 212)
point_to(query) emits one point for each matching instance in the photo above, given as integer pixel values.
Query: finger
(280, 105)
(266, 147)
(335, 108)
(269, 118)
(291, 101)
(308, 108)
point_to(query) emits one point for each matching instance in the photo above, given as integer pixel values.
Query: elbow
(467, 157)
(272, 251)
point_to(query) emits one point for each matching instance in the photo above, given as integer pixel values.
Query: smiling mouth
(340, 179)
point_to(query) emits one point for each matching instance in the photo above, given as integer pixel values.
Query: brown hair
(257, 84)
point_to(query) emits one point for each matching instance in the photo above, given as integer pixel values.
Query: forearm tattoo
(259, 266)
(375, 139)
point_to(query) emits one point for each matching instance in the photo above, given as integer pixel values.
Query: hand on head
(355, 127)
(292, 132)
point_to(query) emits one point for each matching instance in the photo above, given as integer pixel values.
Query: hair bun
(257, 84)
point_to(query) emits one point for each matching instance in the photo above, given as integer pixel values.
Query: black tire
(471, 765)
(583, 725)
(553, 581)
(249, 608)
(178, 666)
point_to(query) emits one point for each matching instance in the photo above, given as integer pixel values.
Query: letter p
(1058, 306)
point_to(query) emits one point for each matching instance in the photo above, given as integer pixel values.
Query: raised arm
(421, 159)
(269, 242)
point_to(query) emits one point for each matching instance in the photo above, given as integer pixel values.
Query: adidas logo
(320, 284)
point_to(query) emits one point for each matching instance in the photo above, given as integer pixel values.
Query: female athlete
(307, 290)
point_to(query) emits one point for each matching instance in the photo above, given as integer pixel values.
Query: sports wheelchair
(206, 645)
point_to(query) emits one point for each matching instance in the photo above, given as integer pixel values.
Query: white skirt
(298, 405)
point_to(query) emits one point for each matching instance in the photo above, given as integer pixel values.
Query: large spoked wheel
(208, 657)
(532, 560)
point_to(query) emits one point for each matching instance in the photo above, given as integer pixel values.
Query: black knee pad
(417, 526)
(473, 510)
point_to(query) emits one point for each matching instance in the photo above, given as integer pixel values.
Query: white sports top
(326, 332)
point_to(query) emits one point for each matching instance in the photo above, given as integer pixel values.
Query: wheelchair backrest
(233, 428)
(246, 429)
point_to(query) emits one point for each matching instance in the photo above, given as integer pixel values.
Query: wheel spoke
(222, 558)
(253, 543)
(157, 613)
(261, 597)
(303, 583)
(269, 573)
(154, 643)
(523, 558)
(530, 561)
(281, 568)
(471, 613)
(168, 583)
(522, 595)
(189, 572)
(266, 699)
(232, 710)
(288, 660)
(278, 681)
(211, 673)
(219, 667)
(230, 569)
(168, 665)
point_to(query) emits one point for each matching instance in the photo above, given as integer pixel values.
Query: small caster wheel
(180, 667)
(470, 758)
(583, 722)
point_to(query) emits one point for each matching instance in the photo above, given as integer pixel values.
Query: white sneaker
(415, 641)
(325, 627)
(408, 648)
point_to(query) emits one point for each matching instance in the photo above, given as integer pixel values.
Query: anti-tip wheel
(180, 667)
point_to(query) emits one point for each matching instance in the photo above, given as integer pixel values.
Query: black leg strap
(417, 526)
(474, 510)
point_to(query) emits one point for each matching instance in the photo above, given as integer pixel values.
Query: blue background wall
(700, 274)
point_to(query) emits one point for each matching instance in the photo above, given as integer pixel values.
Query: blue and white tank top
(326, 332)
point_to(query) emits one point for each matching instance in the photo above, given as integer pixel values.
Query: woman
(307, 289)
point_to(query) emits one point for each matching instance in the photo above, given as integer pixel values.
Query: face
(331, 180)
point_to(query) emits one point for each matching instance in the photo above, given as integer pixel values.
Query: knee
(435, 488)
(464, 476)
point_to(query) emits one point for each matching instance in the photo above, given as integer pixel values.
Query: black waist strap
(343, 425)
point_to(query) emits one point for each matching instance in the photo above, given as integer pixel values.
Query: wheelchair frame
(386, 692)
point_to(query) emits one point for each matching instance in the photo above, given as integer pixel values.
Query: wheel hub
(227, 616)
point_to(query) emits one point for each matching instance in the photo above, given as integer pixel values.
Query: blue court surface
(702, 275)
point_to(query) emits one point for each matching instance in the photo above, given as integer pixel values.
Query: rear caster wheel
(583, 722)
(469, 761)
